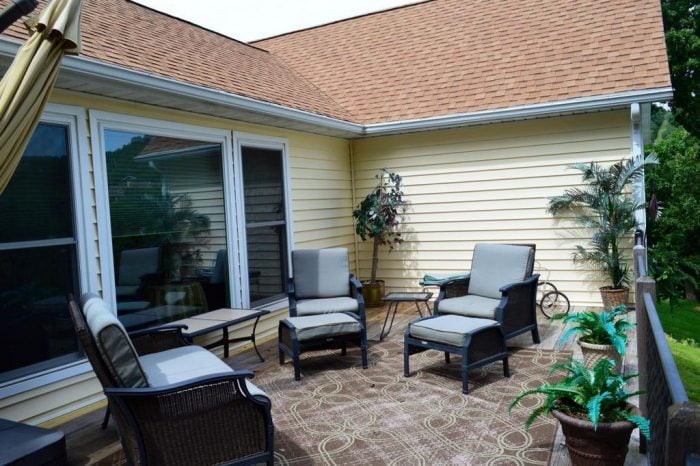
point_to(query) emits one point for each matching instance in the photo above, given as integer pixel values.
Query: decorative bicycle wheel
(543, 288)
(554, 302)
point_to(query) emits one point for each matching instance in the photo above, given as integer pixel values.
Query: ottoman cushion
(323, 325)
(448, 329)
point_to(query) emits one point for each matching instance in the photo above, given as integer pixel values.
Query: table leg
(252, 337)
(420, 313)
(388, 311)
(225, 341)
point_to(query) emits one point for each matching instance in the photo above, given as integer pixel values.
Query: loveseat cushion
(326, 305)
(321, 273)
(185, 363)
(497, 265)
(470, 306)
(114, 345)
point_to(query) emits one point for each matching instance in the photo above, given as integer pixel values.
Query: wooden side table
(395, 298)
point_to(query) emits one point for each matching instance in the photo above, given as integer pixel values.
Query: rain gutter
(578, 105)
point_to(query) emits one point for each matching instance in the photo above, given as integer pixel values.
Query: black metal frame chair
(516, 311)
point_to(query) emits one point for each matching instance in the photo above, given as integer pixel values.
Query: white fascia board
(98, 69)
(582, 104)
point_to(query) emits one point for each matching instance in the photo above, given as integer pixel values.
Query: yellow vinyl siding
(489, 184)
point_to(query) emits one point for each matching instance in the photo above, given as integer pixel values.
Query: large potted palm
(591, 404)
(605, 206)
(378, 218)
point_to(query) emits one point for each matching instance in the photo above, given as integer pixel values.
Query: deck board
(88, 444)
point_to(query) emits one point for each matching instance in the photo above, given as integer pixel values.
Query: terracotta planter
(373, 292)
(613, 298)
(606, 446)
(594, 353)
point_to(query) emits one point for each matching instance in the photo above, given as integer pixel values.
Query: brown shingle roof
(436, 58)
(453, 56)
(133, 36)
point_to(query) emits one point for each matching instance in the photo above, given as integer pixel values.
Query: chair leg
(344, 349)
(447, 357)
(465, 376)
(405, 360)
(506, 369)
(281, 355)
(297, 368)
(535, 335)
(105, 421)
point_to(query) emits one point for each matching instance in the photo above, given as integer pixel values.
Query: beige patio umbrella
(26, 86)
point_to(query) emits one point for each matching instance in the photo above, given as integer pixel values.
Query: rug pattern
(340, 414)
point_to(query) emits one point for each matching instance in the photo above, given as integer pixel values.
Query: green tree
(673, 187)
(682, 25)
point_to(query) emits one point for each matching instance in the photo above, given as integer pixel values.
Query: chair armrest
(218, 408)
(291, 294)
(517, 306)
(157, 339)
(451, 289)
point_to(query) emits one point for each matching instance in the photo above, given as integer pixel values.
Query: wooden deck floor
(87, 443)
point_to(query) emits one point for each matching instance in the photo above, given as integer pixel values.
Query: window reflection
(166, 201)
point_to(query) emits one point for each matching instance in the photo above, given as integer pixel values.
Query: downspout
(356, 241)
(637, 112)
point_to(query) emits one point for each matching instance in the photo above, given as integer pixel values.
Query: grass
(682, 326)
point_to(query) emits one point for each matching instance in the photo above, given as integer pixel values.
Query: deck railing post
(682, 432)
(642, 284)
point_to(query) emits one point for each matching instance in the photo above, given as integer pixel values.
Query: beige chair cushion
(321, 273)
(470, 306)
(326, 306)
(450, 329)
(497, 265)
(185, 363)
(114, 345)
(323, 325)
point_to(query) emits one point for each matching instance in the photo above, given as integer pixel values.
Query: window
(265, 222)
(168, 226)
(38, 258)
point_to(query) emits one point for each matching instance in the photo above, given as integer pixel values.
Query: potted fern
(377, 218)
(592, 406)
(601, 335)
(605, 206)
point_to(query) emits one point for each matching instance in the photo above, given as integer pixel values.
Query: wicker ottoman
(478, 341)
(321, 331)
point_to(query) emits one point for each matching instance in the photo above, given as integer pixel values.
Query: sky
(248, 20)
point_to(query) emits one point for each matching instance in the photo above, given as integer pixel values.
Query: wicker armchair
(177, 405)
(500, 286)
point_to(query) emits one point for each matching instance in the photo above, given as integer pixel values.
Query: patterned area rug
(340, 414)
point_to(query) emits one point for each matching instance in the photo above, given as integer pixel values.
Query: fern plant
(604, 328)
(597, 395)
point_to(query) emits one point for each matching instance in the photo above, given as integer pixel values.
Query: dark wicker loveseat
(174, 403)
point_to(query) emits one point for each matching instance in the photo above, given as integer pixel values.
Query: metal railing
(675, 421)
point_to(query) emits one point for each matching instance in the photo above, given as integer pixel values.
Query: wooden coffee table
(401, 297)
(222, 319)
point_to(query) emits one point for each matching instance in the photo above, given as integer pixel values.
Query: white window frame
(99, 122)
(242, 139)
(74, 119)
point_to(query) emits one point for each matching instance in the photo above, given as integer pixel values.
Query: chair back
(88, 343)
(321, 273)
(497, 265)
(107, 344)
